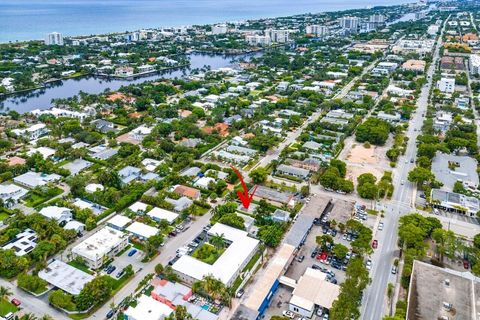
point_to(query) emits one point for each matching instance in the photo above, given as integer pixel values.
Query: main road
(403, 201)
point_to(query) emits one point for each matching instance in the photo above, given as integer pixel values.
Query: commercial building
(414, 65)
(442, 293)
(449, 169)
(310, 292)
(446, 85)
(272, 196)
(59, 214)
(65, 277)
(228, 266)
(54, 38)
(454, 202)
(101, 246)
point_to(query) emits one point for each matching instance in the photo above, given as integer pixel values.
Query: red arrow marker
(244, 196)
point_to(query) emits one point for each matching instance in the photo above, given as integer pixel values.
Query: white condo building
(317, 30)
(278, 35)
(101, 246)
(474, 64)
(350, 24)
(54, 38)
(446, 85)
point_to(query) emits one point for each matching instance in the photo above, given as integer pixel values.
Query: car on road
(369, 264)
(132, 252)
(300, 258)
(16, 302)
(288, 314)
(394, 270)
(466, 264)
(110, 314)
(380, 226)
(375, 244)
(403, 182)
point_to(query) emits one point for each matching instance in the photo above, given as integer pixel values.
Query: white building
(65, 277)
(350, 24)
(23, 243)
(475, 64)
(32, 179)
(54, 38)
(278, 35)
(34, 132)
(258, 40)
(317, 30)
(57, 112)
(141, 230)
(148, 308)
(159, 214)
(101, 246)
(446, 85)
(219, 28)
(59, 214)
(228, 266)
(11, 194)
(433, 29)
(119, 222)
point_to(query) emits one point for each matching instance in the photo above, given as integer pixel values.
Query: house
(32, 133)
(442, 121)
(281, 215)
(128, 174)
(76, 166)
(414, 65)
(230, 157)
(312, 145)
(446, 85)
(32, 179)
(102, 152)
(396, 117)
(150, 164)
(23, 243)
(180, 204)
(188, 192)
(11, 194)
(204, 182)
(147, 308)
(141, 230)
(45, 152)
(65, 277)
(93, 187)
(119, 222)
(139, 207)
(76, 226)
(272, 196)
(60, 214)
(104, 126)
(293, 171)
(159, 214)
(16, 161)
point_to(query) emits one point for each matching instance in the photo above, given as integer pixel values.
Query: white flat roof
(148, 308)
(138, 206)
(313, 288)
(228, 263)
(65, 277)
(100, 243)
(162, 214)
(142, 229)
(119, 221)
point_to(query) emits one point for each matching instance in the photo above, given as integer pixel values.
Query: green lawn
(207, 253)
(3, 216)
(80, 266)
(6, 307)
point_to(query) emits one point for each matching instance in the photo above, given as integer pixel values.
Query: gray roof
(466, 171)
(105, 154)
(452, 200)
(190, 172)
(432, 287)
(293, 170)
(299, 230)
(77, 165)
(272, 194)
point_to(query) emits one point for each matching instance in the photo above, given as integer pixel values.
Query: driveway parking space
(124, 260)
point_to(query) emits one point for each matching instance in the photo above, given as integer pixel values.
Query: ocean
(32, 19)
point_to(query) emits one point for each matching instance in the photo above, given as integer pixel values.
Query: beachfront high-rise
(54, 38)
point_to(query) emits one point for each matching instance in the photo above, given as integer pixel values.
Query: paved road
(373, 304)
(168, 252)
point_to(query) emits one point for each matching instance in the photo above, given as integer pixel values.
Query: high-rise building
(278, 36)
(54, 38)
(258, 40)
(317, 30)
(350, 24)
(475, 64)
(377, 18)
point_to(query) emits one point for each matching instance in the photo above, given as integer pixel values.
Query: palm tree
(46, 317)
(28, 316)
(5, 293)
(218, 240)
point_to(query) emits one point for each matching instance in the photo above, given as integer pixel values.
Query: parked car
(16, 302)
(111, 269)
(314, 253)
(380, 226)
(375, 244)
(132, 252)
(288, 314)
(316, 267)
(369, 264)
(300, 258)
(240, 293)
(120, 273)
(394, 270)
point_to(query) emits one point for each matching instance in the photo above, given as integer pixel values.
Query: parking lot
(125, 259)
